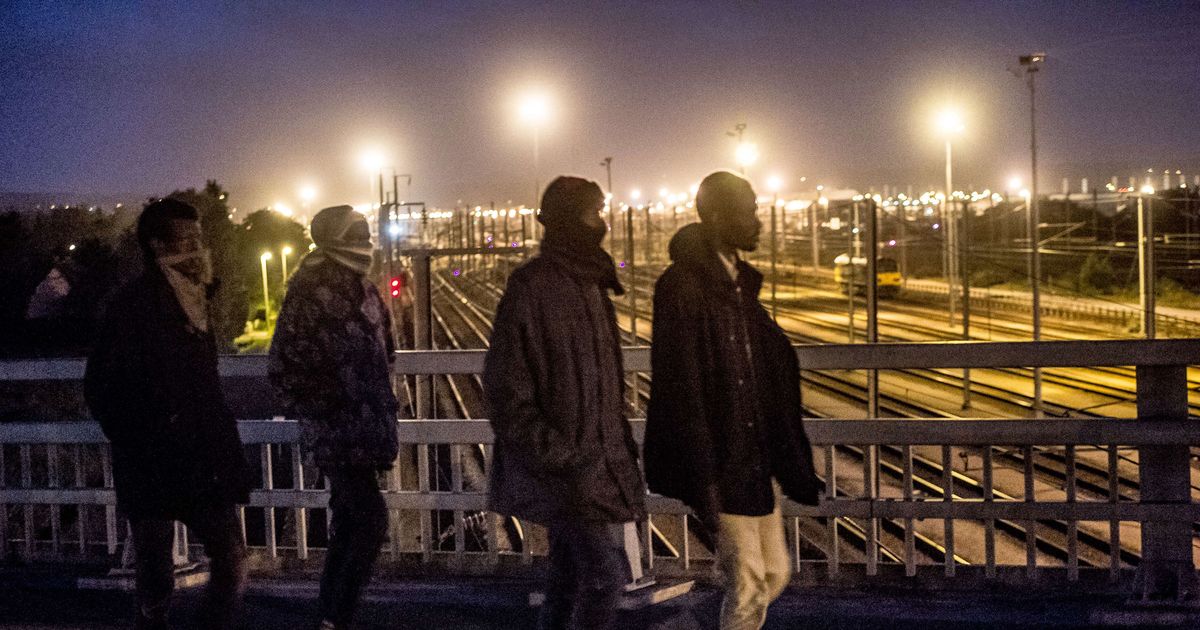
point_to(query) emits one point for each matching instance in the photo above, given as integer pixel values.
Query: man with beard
(330, 366)
(723, 430)
(554, 382)
(153, 385)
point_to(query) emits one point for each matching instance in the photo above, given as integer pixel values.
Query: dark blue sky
(150, 96)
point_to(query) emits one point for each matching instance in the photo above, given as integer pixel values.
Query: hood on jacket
(692, 247)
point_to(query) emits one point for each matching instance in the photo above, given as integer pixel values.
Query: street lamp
(950, 124)
(284, 253)
(1032, 63)
(746, 155)
(535, 111)
(774, 184)
(307, 195)
(263, 258)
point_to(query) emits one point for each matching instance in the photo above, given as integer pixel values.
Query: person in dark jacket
(723, 426)
(554, 383)
(152, 383)
(330, 366)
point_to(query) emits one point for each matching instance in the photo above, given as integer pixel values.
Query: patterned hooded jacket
(329, 366)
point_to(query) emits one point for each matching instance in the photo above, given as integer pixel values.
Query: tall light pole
(1031, 63)
(283, 254)
(534, 111)
(950, 124)
(815, 225)
(262, 259)
(746, 155)
(1145, 218)
(629, 252)
(774, 183)
(307, 194)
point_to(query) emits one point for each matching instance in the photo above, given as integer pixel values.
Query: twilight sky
(144, 97)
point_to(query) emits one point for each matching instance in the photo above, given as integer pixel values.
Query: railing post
(1166, 570)
(423, 329)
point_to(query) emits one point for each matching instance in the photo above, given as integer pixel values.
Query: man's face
(591, 216)
(359, 233)
(736, 224)
(183, 236)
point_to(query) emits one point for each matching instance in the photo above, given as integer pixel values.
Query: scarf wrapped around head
(329, 231)
(568, 239)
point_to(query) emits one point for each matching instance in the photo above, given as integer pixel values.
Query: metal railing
(1051, 500)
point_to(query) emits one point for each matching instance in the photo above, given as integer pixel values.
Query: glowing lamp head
(534, 109)
(287, 250)
(746, 154)
(308, 193)
(265, 256)
(635, 194)
(372, 160)
(774, 183)
(950, 122)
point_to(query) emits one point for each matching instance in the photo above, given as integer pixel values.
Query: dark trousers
(359, 527)
(588, 572)
(219, 530)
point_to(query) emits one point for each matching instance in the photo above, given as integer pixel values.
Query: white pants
(753, 560)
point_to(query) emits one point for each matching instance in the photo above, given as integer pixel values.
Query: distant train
(887, 273)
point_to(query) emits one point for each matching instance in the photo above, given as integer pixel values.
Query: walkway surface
(26, 601)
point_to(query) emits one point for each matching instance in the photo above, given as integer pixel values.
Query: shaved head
(719, 192)
(726, 204)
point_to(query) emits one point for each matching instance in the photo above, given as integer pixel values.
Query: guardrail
(1054, 493)
(983, 298)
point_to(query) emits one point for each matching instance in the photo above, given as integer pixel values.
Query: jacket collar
(692, 249)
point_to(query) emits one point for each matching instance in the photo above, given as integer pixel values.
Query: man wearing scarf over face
(330, 367)
(553, 381)
(153, 385)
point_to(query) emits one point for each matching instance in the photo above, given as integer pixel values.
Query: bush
(1097, 275)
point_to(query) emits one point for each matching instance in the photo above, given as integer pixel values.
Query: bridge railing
(1053, 500)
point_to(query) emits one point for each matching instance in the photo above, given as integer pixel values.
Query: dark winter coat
(153, 385)
(553, 381)
(725, 397)
(330, 367)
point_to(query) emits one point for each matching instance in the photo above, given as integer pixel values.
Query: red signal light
(397, 284)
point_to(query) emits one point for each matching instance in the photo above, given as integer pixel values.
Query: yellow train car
(848, 271)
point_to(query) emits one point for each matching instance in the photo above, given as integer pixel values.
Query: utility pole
(738, 131)
(964, 264)
(631, 274)
(948, 237)
(814, 224)
(1146, 282)
(872, 301)
(1031, 64)
(774, 257)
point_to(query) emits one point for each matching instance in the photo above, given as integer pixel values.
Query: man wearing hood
(330, 367)
(553, 381)
(723, 430)
(152, 383)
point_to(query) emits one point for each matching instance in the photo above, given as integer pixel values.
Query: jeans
(752, 557)
(588, 573)
(219, 529)
(359, 527)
